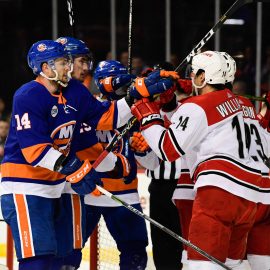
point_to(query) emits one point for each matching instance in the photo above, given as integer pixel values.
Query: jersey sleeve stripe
(34, 152)
(171, 150)
(176, 145)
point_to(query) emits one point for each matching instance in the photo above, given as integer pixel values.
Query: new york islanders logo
(41, 47)
(62, 136)
(102, 64)
(61, 40)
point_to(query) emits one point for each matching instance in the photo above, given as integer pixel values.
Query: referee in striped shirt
(166, 250)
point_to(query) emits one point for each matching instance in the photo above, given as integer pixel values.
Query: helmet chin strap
(197, 87)
(55, 78)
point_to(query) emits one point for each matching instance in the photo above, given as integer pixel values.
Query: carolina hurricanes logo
(62, 40)
(41, 47)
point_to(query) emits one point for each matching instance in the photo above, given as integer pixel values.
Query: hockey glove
(147, 113)
(81, 175)
(138, 143)
(109, 86)
(153, 84)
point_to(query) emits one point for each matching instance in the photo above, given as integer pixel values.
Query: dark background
(23, 22)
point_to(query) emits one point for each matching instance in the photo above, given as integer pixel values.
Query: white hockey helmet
(231, 67)
(213, 64)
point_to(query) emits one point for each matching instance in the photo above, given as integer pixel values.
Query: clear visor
(60, 63)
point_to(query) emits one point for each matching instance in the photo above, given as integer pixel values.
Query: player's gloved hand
(147, 113)
(81, 175)
(138, 143)
(264, 112)
(111, 84)
(151, 85)
(184, 86)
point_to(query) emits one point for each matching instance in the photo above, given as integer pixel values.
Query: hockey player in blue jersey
(47, 112)
(72, 218)
(113, 76)
(82, 63)
(40, 150)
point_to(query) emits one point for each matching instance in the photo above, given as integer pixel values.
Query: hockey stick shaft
(253, 97)
(235, 6)
(114, 141)
(71, 16)
(165, 229)
(130, 37)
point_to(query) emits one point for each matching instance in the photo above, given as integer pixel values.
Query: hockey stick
(71, 16)
(253, 97)
(114, 141)
(130, 37)
(165, 229)
(235, 6)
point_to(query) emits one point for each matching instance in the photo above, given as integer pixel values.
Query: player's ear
(201, 76)
(45, 67)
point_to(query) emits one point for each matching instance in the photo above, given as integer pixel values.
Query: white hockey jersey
(210, 130)
(257, 143)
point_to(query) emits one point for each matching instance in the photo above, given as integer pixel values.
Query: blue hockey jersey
(43, 127)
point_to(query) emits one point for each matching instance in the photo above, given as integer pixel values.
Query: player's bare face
(80, 68)
(62, 66)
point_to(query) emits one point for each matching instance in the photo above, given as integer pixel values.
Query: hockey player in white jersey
(258, 241)
(209, 130)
